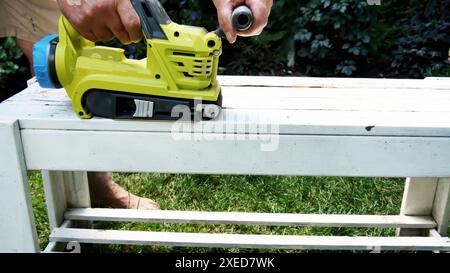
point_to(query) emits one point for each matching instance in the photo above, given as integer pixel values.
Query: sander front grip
(241, 18)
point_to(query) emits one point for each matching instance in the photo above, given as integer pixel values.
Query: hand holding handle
(241, 18)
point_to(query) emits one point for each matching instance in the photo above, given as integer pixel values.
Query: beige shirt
(28, 20)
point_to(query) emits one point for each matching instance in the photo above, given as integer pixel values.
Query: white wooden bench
(270, 125)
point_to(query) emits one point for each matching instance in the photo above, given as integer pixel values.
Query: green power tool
(180, 69)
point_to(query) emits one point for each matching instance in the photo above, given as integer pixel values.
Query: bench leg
(55, 195)
(77, 189)
(17, 227)
(426, 197)
(65, 189)
(441, 206)
(418, 198)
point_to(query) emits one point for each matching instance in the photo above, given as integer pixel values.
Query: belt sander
(180, 68)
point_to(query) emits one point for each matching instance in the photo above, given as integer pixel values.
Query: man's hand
(260, 9)
(103, 20)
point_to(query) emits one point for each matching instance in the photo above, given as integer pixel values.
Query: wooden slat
(238, 154)
(317, 82)
(51, 248)
(239, 218)
(288, 122)
(418, 197)
(387, 107)
(339, 99)
(363, 98)
(35, 95)
(55, 197)
(437, 78)
(441, 206)
(249, 241)
(59, 247)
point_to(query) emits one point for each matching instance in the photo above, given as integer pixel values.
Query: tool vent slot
(177, 53)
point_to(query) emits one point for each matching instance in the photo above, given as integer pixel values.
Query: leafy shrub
(332, 36)
(9, 55)
(13, 68)
(401, 38)
(425, 47)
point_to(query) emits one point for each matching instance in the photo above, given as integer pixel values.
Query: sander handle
(241, 18)
(152, 15)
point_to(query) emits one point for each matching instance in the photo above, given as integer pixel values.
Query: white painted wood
(51, 248)
(441, 206)
(77, 193)
(264, 98)
(249, 241)
(434, 233)
(55, 197)
(35, 96)
(363, 95)
(294, 155)
(64, 190)
(427, 196)
(17, 228)
(77, 189)
(394, 107)
(418, 197)
(241, 218)
(317, 82)
(438, 78)
(323, 122)
(59, 247)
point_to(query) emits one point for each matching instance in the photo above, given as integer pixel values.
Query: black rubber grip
(242, 18)
(152, 16)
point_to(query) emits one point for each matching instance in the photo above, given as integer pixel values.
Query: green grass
(245, 193)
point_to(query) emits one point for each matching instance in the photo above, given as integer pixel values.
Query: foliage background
(401, 39)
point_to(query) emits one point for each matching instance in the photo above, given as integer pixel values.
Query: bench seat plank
(319, 106)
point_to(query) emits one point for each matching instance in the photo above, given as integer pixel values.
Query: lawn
(244, 193)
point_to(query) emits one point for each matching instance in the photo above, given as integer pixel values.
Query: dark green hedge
(9, 58)
(402, 38)
(14, 70)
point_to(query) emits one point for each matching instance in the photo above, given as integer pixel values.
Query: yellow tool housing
(183, 65)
